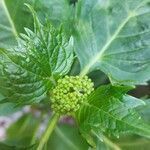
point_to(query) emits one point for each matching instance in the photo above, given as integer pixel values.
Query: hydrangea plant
(111, 36)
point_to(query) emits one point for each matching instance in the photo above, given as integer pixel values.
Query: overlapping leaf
(59, 10)
(8, 31)
(114, 36)
(14, 16)
(69, 137)
(28, 72)
(110, 111)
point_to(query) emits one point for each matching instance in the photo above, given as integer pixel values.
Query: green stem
(48, 131)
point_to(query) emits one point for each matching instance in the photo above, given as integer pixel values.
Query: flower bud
(70, 93)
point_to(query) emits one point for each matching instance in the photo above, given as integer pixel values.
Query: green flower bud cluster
(70, 93)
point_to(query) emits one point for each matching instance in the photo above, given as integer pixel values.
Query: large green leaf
(22, 134)
(69, 137)
(114, 36)
(145, 111)
(19, 14)
(108, 110)
(57, 11)
(14, 16)
(28, 72)
(18, 133)
(7, 109)
(8, 32)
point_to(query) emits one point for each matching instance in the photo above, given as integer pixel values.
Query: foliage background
(14, 16)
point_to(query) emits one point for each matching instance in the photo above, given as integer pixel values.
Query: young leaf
(113, 36)
(110, 111)
(29, 71)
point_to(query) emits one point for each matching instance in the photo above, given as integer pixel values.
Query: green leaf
(4, 146)
(20, 15)
(145, 111)
(22, 132)
(105, 142)
(134, 143)
(68, 138)
(8, 32)
(58, 11)
(14, 17)
(28, 72)
(113, 36)
(110, 111)
(7, 109)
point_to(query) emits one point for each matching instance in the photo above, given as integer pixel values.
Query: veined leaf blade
(29, 71)
(109, 112)
(114, 38)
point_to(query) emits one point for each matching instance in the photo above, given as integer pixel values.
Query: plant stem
(48, 131)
